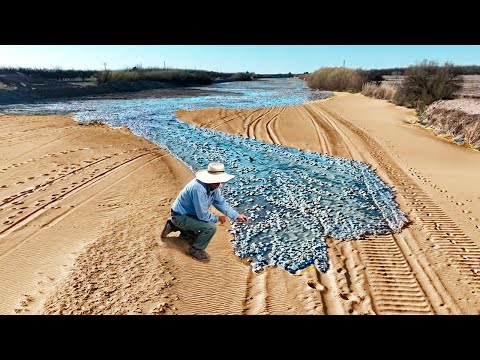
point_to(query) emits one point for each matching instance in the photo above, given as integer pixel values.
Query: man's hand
(222, 219)
(242, 218)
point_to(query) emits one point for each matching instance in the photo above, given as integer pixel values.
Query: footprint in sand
(20, 182)
(3, 186)
(45, 174)
(459, 203)
(31, 177)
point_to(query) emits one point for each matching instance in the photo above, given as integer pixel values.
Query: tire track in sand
(252, 122)
(371, 276)
(429, 245)
(25, 220)
(430, 267)
(269, 126)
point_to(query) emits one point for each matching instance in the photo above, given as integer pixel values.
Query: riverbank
(116, 90)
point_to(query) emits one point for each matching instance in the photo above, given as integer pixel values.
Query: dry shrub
(336, 79)
(426, 83)
(384, 91)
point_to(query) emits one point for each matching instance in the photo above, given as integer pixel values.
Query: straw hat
(215, 173)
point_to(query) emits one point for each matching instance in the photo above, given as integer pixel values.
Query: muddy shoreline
(118, 90)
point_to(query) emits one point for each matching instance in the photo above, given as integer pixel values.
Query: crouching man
(190, 213)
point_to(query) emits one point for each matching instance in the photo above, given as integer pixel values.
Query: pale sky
(261, 59)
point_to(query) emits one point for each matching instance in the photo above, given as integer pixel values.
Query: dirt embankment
(459, 119)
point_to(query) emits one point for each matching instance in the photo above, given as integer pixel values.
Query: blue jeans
(203, 229)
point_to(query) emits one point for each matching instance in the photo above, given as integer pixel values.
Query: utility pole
(343, 62)
(164, 65)
(105, 65)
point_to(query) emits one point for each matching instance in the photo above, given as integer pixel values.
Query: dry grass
(384, 91)
(472, 134)
(172, 76)
(336, 79)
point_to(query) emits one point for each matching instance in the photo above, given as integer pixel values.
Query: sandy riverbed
(82, 208)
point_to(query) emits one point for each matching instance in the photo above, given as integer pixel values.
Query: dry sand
(82, 208)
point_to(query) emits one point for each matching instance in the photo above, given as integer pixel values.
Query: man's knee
(211, 227)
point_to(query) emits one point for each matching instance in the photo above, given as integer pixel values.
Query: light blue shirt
(195, 199)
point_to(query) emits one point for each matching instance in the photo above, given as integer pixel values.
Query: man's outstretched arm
(221, 205)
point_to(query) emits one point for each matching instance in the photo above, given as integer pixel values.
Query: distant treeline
(170, 75)
(53, 74)
(462, 70)
(176, 76)
(274, 76)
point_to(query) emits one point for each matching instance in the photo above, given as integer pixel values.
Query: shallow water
(294, 199)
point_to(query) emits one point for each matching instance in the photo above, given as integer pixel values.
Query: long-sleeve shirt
(195, 199)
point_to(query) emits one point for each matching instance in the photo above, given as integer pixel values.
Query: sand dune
(82, 208)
